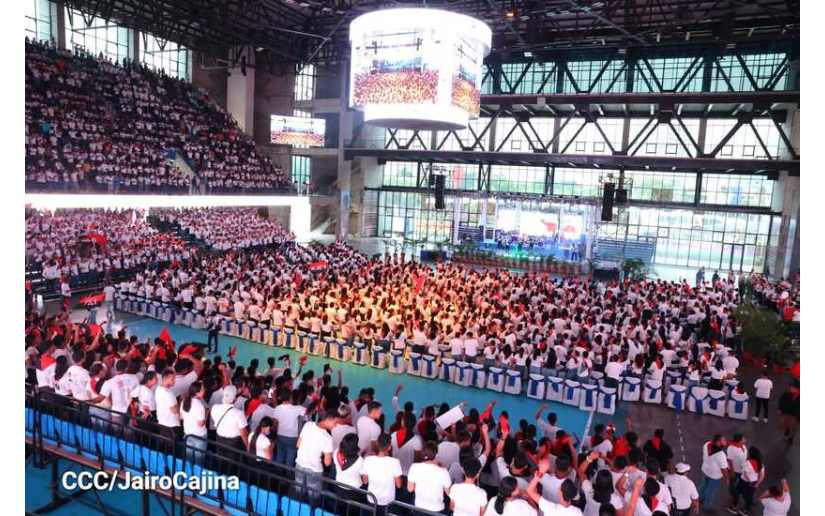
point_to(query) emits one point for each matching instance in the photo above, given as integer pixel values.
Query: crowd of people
(225, 229)
(481, 464)
(97, 125)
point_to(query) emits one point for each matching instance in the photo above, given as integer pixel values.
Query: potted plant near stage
(634, 269)
(765, 340)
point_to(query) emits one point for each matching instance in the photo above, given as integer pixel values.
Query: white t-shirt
(737, 457)
(548, 508)
(196, 413)
(182, 383)
(683, 490)
(368, 431)
(261, 412)
(430, 482)
(468, 499)
(119, 388)
(447, 453)
(350, 476)
(763, 388)
(517, 507)
(406, 453)
(315, 442)
(145, 397)
(339, 432)
(774, 507)
(712, 465)
(288, 417)
(165, 399)
(381, 473)
(79, 382)
(262, 445)
(231, 420)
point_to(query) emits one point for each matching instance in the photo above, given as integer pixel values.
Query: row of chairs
(594, 396)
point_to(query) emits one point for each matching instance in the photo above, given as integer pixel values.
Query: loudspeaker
(607, 202)
(621, 196)
(439, 193)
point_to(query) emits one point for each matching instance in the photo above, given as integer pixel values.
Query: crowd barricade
(572, 393)
(716, 403)
(359, 353)
(397, 363)
(448, 368)
(512, 383)
(536, 384)
(738, 405)
(495, 379)
(463, 373)
(607, 400)
(587, 396)
(429, 367)
(676, 396)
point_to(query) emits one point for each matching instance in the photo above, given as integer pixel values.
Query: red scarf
(46, 361)
(253, 404)
(754, 464)
(656, 442)
(653, 503)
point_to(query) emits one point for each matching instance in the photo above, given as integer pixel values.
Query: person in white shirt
(229, 424)
(763, 386)
(344, 426)
(349, 464)
(260, 444)
(549, 427)
(428, 480)
(289, 417)
(508, 501)
(683, 490)
(117, 390)
(776, 501)
(406, 443)
(145, 396)
(714, 469)
(166, 406)
(382, 473)
(466, 498)
(314, 453)
(367, 427)
(193, 413)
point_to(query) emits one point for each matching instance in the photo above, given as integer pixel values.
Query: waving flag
(93, 299)
(318, 265)
(99, 238)
(419, 282)
(165, 337)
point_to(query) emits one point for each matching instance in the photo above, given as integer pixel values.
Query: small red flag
(93, 299)
(165, 337)
(94, 329)
(232, 351)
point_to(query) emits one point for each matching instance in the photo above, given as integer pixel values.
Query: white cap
(682, 468)
(229, 394)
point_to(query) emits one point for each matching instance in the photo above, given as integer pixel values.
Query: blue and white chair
(587, 396)
(652, 392)
(697, 399)
(266, 335)
(673, 377)
(165, 313)
(276, 336)
(429, 367)
(676, 397)
(478, 376)
(301, 341)
(495, 379)
(118, 302)
(415, 363)
(597, 376)
(463, 373)
(730, 385)
(378, 357)
(572, 393)
(536, 385)
(198, 322)
(289, 338)
(255, 331)
(153, 309)
(141, 306)
(555, 388)
(631, 389)
(359, 353)
(246, 329)
(448, 369)
(607, 400)
(716, 404)
(317, 346)
(512, 384)
(396, 362)
(738, 405)
(340, 350)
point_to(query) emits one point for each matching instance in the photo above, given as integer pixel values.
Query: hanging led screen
(417, 68)
(292, 130)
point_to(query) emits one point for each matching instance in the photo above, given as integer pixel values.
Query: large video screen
(528, 223)
(417, 68)
(291, 130)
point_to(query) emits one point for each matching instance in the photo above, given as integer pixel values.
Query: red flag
(94, 329)
(487, 414)
(419, 282)
(795, 370)
(93, 299)
(318, 265)
(188, 350)
(99, 238)
(504, 424)
(297, 278)
(165, 337)
(232, 351)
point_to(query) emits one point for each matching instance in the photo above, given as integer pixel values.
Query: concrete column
(240, 94)
(456, 217)
(783, 260)
(60, 23)
(134, 47)
(345, 129)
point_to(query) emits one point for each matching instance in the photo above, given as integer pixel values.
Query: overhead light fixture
(259, 49)
(510, 14)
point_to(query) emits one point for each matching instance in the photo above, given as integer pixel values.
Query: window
(744, 144)
(301, 166)
(506, 178)
(737, 190)
(590, 139)
(413, 215)
(305, 83)
(97, 36)
(41, 24)
(400, 173)
(407, 139)
(762, 68)
(168, 56)
(661, 186)
(581, 182)
(669, 74)
(457, 140)
(663, 141)
(586, 73)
